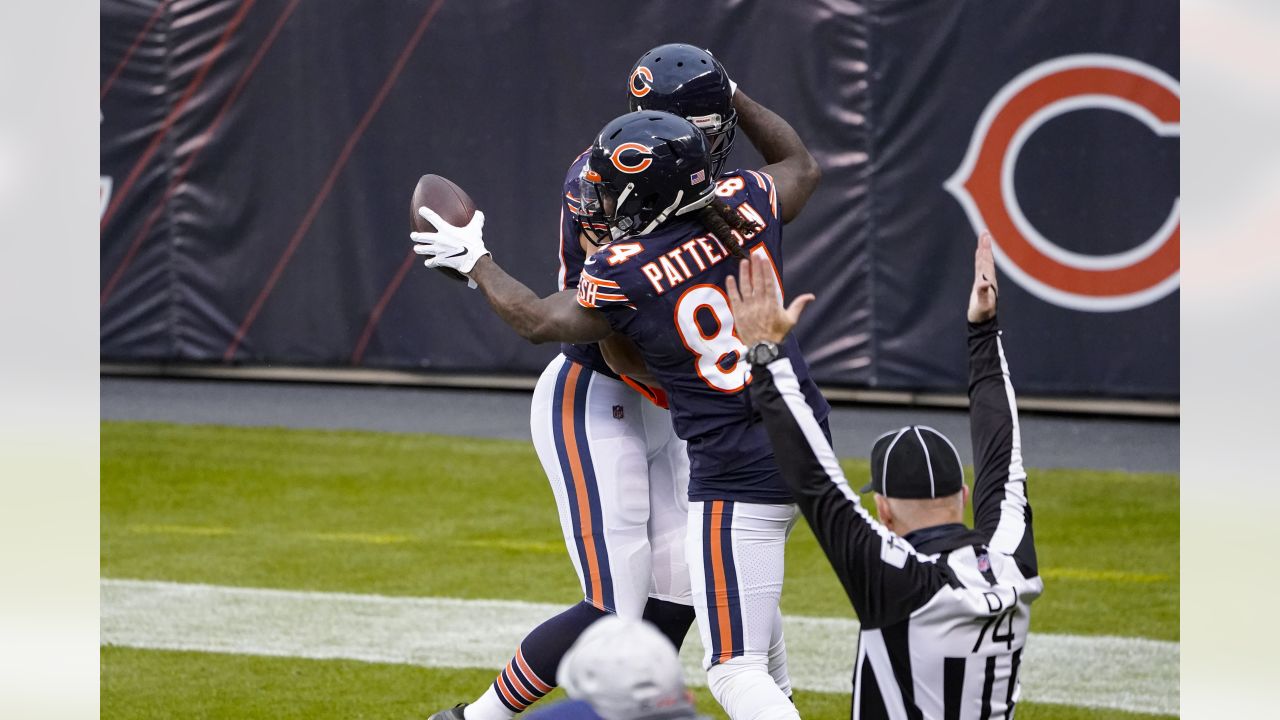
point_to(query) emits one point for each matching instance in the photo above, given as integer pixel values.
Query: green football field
(419, 516)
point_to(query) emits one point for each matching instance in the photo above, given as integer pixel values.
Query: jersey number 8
(718, 355)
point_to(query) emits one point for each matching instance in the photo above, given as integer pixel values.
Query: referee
(944, 609)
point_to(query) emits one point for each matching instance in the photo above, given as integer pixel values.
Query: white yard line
(1105, 672)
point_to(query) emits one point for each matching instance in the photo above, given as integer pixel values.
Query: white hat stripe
(884, 472)
(951, 445)
(933, 490)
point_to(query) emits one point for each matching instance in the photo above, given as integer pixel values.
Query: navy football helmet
(643, 168)
(688, 81)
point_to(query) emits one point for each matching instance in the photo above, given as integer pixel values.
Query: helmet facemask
(626, 212)
(589, 212)
(720, 132)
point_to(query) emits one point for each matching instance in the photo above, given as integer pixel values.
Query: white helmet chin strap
(663, 215)
(622, 196)
(672, 209)
(614, 232)
(696, 204)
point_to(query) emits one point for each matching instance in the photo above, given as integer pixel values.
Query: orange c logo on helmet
(616, 157)
(984, 183)
(641, 81)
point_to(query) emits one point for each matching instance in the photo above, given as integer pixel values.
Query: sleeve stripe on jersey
(784, 378)
(595, 301)
(596, 293)
(598, 281)
(1013, 509)
(767, 183)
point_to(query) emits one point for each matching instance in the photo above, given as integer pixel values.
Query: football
(448, 201)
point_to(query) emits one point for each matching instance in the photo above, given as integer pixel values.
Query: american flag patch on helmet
(697, 177)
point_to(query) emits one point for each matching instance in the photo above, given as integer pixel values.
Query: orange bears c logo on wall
(646, 154)
(984, 182)
(641, 81)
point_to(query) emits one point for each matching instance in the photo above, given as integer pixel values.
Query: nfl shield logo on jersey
(984, 563)
(617, 412)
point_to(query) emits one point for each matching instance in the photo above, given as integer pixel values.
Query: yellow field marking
(1089, 575)
(180, 530)
(517, 545)
(352, 537)
(356, 537)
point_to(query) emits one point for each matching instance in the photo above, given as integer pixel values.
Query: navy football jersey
(665, 291)
(571, 259)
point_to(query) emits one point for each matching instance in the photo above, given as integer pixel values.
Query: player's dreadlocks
(722, 221)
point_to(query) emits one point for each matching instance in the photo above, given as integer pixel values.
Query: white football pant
(736, 552)
(620, 477)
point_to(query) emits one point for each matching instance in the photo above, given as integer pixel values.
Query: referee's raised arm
(1001, 512)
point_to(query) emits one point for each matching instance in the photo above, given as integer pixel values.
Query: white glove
(452, 247)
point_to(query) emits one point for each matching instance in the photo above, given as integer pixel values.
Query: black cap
(915, 462)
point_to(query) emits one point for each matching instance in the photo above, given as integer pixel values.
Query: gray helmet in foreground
(626, 670)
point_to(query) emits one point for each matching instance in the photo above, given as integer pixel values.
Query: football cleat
(453, 713)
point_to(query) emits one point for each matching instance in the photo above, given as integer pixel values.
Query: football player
(617, 469)
(659, 281)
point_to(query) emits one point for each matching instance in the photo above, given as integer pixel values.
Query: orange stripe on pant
(721, 585)
(580, 484)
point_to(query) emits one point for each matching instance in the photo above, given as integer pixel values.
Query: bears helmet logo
(646, 154)
(641, 81)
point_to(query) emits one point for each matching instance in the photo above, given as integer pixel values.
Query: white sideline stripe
(1131, 674)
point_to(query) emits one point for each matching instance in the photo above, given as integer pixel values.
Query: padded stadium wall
(258, 155)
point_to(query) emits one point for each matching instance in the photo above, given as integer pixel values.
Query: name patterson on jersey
(677, 265)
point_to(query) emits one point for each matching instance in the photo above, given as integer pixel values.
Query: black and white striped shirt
(944, 611)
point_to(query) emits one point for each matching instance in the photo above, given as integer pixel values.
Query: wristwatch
(762, 353)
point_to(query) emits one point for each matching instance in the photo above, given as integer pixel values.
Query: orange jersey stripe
(580, 484)
(721, 585)
(598, 281)
(657, 396)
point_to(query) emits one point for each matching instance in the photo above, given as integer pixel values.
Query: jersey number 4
(718, 355)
